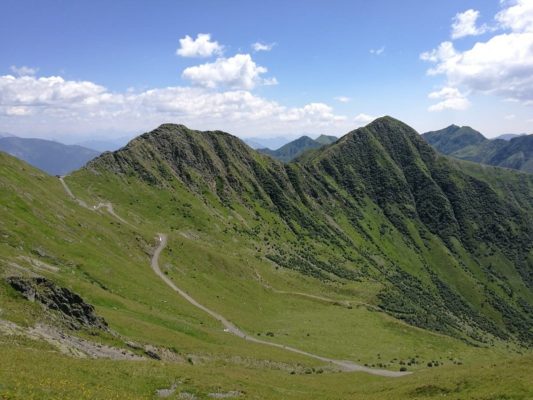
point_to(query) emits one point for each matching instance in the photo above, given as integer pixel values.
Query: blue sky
(74, 69)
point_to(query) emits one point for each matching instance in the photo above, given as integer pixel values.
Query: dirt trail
(343, 303)
(231, 328)
(344, 365)
(108, 206)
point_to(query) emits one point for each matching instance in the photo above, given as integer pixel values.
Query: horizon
(106, 71)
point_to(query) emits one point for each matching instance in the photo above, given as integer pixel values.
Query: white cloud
(202, 46)
(501, 66)
(378, 52)
(23, 71)
(464, 24)
(510, 117)
(450, 99)
(258, 46)
(237, 72)
(48, 91)
(518, 17)
(17, 111)
(364, 119)
(343, 99)
(319, 112)
(76, 107)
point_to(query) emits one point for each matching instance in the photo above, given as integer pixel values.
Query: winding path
(108, 206)
(348, 366)
(344, 365)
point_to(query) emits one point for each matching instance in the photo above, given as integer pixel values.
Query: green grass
(217, 255)
(29, 375)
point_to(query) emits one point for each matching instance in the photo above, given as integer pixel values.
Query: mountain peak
(453, 138)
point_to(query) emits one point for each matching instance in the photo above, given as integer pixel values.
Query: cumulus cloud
(24, 70)
(518, 17)
(343, 99)
(237, 72)
(378, 52)
(35, 103)
(319, 112)
(202, 46)
(48, 91)
(500, 66)
(464, 24)
(363, 119)
(258, 46)
(450, 99)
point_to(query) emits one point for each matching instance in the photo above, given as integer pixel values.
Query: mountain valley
(373, 249)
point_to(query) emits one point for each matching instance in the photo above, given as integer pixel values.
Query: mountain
(467, 144)
(253, 143)
(292, 149)
(268, 143)
(509, 136)
(326, 139)
(454, 138)
(52, 157)
(5, 134)
(104, 145)
(375, 249)
(382, 177)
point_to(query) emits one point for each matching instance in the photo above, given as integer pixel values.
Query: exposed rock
(164, 393)
(151, 352)
(77, 313)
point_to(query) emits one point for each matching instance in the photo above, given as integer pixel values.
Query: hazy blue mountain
(268, 143)
(509, 136)
(102, 145)
(293, 149)
(52, 157)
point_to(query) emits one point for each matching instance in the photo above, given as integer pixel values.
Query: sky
(75, 70)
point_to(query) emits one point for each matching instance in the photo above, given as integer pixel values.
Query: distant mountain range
(509, 136)
(509, 150)
(102, 145)
(292, 150)
(268, 143)
(52, 157)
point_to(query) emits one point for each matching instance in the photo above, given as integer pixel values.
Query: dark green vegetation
(379, 205)
(346, 253)
(52, 157)
(296, 148)
(509, 151)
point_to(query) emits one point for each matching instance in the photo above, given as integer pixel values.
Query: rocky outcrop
(76, 313)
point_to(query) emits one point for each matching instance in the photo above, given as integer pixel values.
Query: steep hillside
(292, 150)
(346, 254)
(52, 157)
(382, 204)
(509, 151)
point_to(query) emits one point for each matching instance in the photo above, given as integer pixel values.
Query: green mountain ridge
(420, 198)
(374, 249)
(467, 144)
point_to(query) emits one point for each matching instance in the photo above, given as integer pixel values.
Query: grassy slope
(92, 251)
